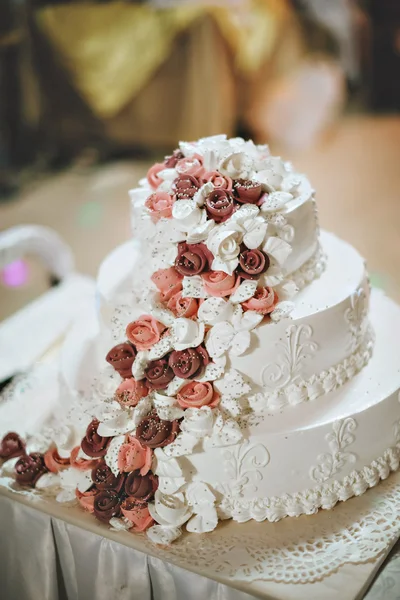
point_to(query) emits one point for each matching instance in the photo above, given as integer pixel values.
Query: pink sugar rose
(196, 395)
(130, 391)
(160, 205)
(192, 165)
(86, 499)
(138, 513)
(263, 301)
(183, 307)
(145, 332)
(220, 284)
(54, 462)
(219, 181)
(152, 175)
(168, 282)
(132, 456)
(81, 464)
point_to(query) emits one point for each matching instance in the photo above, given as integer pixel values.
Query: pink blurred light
(15, 274)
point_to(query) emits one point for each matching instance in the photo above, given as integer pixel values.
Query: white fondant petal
(275, 201)
(250, 320)
(199, 495)
(140, 364)
(175, 385)
(200, 233)
(219, 338)
(202, 193)
(160, 349)
(167, 408)
(192, 287)
(244, 292)
(206, 520)
(170, 485)
(240, 343)
(182, 446)
(213, 370)
(214, 310)
(282, 311)
(111, 458)
(163, 535)
(278, 249)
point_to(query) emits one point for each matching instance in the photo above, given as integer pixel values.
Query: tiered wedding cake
(249, 373)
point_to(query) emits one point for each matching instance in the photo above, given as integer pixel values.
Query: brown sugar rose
(107, 505)
(247, 191)
(219, 205)
(156, 433)
(193, 259)
(186, 186)
(121, 357)
(252, 263)
(11, 446)
(93, 444)
(189, 363)
(141, 487)
(158, 374)
(29, 469)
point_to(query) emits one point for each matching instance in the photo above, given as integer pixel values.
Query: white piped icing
(309, 501)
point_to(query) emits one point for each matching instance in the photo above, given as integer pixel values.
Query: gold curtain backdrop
(150, 75)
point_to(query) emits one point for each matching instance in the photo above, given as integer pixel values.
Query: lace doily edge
(309, 501)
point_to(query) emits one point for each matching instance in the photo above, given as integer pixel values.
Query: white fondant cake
(252, 374)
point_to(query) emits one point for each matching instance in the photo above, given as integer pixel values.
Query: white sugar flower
(214, 310)
(273, 173)
(234, 391)
(224, 243)
(278, 251)
(226, 432)
(192, 287)
(140, 364)
(115, 420)
(170, 510)
(201, 232)
(158, 534)
(245, 291)
(202, 501)
(237, 165)
(198, 422)
(182, 446)
(232, 385)
(186, 333)
(252, 226)
(202, 193)
(187, 214)
(169, 472)
(111, 457)
(234, 335)
(168, 176)
(167, 407)
(275, 201)
(70, 480)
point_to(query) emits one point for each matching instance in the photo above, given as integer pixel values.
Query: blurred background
(92, 92)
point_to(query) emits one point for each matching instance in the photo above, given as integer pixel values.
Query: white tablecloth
(45, 558)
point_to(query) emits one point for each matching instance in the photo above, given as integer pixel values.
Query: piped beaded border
(312, 269)
(323, 383)
(311, 500)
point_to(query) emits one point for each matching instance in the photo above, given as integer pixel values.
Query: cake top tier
(244, 212)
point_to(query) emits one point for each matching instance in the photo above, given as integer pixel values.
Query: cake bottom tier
(315, 454)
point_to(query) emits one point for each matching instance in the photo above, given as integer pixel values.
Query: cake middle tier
(326, 341)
